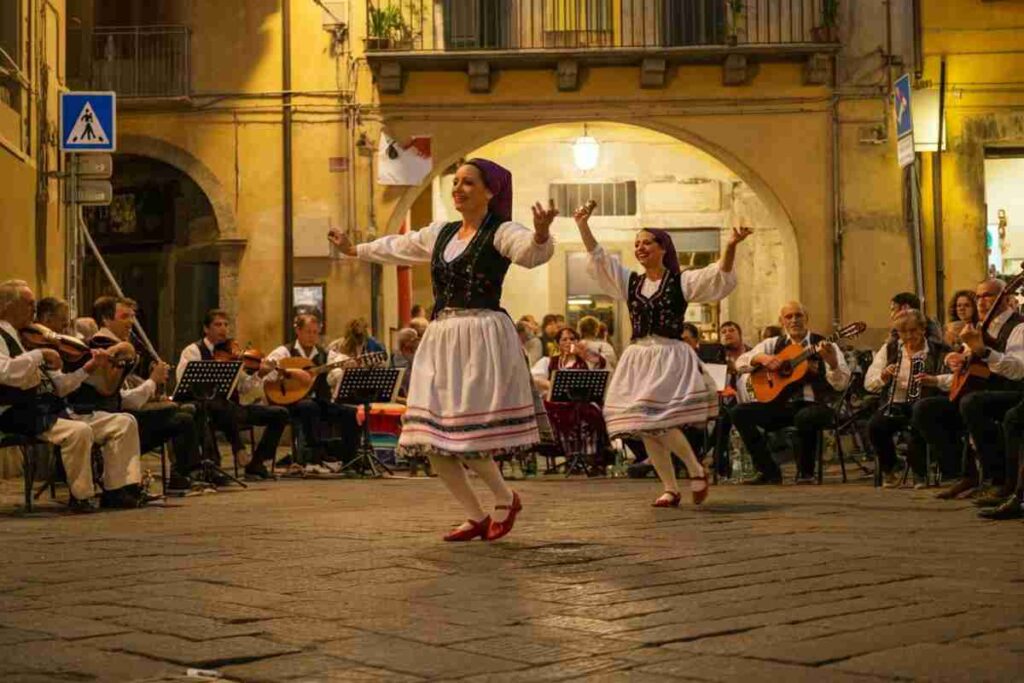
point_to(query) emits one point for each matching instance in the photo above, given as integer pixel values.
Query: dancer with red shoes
(660, 385)
(470, 393)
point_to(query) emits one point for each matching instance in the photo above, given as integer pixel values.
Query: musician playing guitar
(1000, 347)
(227, 415)
(805, 407)
(317, 408)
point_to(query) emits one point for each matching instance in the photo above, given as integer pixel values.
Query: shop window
(1004, 231)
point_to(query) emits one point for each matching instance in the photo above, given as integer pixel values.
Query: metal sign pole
(72, 266)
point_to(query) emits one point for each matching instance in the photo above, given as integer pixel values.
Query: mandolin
(769, 385)
(974, 373)
(295, 377)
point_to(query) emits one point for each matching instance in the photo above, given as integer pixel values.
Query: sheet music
(719, 373)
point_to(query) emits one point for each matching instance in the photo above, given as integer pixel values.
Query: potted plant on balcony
(828, 30)
(383, 25)
(736, 20)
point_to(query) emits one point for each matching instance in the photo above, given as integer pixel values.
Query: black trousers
(310, 413)
(882, 430)
(808, 418)
(983, 413)
(172, 423)
(1013, 433)
(226, 417)
(938, 422)
(722, 452)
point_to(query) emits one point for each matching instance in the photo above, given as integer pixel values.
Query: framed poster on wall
(310, 297)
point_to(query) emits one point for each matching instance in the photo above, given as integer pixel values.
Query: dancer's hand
(739, 234)
(542, 219)
(341, 240)
(582, 215)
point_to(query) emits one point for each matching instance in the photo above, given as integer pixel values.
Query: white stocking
(453, 475)
(677, 443)
(488, 470)
(661, 458)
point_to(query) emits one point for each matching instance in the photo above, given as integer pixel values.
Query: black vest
(86, 399)
(663, 312)
(32, 411)
(934, 364)
(998, 343)
(474, 278)
(823, 391)
(321, 390)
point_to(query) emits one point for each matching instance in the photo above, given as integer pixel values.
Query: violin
(229, 349)
(37, 336)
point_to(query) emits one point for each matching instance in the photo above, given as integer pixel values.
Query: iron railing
(538, 25)
(140, 61)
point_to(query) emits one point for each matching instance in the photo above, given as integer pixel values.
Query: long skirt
(470, 392)
(659, 384)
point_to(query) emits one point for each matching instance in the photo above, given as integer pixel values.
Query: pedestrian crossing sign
(87, 122)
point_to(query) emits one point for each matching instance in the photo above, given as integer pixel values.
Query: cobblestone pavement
(348, 580)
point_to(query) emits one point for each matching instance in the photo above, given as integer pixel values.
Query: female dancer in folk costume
(470, 394)
(660, 384)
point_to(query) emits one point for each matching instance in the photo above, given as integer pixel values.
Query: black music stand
(362, 387)
(202, 382)
(578, 386)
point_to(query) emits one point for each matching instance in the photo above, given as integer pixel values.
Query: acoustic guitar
(769, 385)
(974, 373)
(296, 376)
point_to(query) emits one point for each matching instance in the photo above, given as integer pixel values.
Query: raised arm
(612, 277)
(406, 249)
(715, 282)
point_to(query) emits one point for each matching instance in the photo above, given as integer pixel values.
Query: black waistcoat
(998, 343)
(86, 399)
(823, 391)
(32, 411)
(321, 390)
(934, 364)
(475, 277)
(662, 313)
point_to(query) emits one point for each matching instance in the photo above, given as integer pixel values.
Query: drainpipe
(286, 86)
(940, 257)
(837, 221)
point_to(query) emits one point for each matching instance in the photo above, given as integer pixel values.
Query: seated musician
(159, 421)
(227, 415)
(891, 370)
(84, 328)
(407, 340)
(1001, 348)
(804, 407)
(54, 314)
(317, 408)
(30, 386)
(908, 301)
(589, 328)
(691, 335)
(731, 336)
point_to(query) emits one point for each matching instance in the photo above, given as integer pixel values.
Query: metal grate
(613, 199)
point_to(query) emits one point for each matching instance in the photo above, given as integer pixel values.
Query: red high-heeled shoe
(702, 495)
(498, 529)
(672, 502)
(477, 530)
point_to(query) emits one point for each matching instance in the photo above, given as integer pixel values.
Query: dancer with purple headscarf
(660, 385)
(470, 393)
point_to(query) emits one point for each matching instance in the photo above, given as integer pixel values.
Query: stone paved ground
(348, 580)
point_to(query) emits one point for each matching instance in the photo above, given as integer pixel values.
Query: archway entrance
(157, 238)
(642, 178)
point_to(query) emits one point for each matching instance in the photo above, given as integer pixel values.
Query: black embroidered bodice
(663, 312)
(474, 278)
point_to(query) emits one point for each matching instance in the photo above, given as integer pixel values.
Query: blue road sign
(88, 122)
(901, 101)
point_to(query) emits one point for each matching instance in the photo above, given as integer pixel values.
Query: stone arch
(401, 201)
(161, 150)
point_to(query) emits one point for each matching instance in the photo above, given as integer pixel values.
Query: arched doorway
(643, 178)
(158, 237)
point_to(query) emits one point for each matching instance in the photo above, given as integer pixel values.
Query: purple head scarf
(499, 181)
(664, 240)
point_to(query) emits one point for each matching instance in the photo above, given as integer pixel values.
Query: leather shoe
(761, 479)
(477, 530)
(671, 502)
(960, 487)
(498, 529)
(1010, 509)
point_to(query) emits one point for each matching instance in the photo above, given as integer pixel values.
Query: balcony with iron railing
(133, 61)
(433, 29)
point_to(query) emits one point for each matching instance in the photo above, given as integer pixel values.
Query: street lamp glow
(586, 151)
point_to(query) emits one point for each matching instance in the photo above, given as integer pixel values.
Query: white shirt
(250, 387)
(837, 377)
(875, 382)
(25, 371)
(701, 284)
(136, 397)
(283, 351)
(605, 350)
(512, 240)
